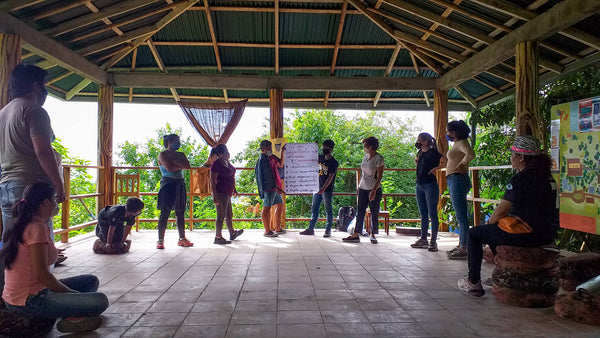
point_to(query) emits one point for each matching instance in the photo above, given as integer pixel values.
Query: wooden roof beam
(555, 19)
(51, 50)
(435, 25)
(133, 62)
(117, 40)
(276, 30)
(106, 21)
(391, 32)
(467, 97)
(388, 70)
(250, 82)
(56, 10)
(527, 15)
(215, 46)
(14, 5)
(161, 66)
(338, 37)
(88, 19)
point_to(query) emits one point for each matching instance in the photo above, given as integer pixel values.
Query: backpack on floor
(345, 216)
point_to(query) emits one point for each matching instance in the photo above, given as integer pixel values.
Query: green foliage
(396, 137)
(82, 182)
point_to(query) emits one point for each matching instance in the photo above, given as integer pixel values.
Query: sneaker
(420, 244)
(160, 244)
(432, 246)
(327, 234)
(373, 240)
(449, 252)
(308, 232)
(458, 254)
(281, 232)
(351, 239)
(236, 234)
(61, 258)
(270, 234)
(78, 324)
(464, 284)
(221, 240)
(184, 243)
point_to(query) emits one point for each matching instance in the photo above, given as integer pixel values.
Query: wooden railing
(65, 216)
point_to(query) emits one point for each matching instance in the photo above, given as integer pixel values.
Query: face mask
(326, 151)
(176, 146)
(450, 139)
(269, 153)
(55, 211)
(418, 145)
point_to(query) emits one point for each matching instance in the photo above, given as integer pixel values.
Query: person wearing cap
(526, 216)
(269, 186)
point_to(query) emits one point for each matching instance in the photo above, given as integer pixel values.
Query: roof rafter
(276, 23)
(13, 5)
(555, 19)
(250, 82)
(51, 50)
(56, 10)
(213, 38)
(88, 19)
(161, 66)
(336, 48)
(388, 70)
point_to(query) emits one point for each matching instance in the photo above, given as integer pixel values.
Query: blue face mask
(176, 146)
(450, 139)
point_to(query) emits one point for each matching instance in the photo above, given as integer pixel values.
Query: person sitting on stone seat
(114, 224)
(526, 216)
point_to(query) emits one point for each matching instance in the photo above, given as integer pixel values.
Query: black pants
(363, 202)
(492, 235)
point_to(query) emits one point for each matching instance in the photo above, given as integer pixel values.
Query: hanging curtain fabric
(214, 121)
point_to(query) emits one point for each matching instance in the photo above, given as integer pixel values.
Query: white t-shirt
(369, 171)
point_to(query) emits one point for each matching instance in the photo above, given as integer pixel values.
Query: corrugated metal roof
(245, 34)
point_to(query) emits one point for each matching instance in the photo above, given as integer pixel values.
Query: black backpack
(345, 216)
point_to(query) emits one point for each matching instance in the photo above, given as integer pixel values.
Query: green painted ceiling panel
(247, 57)
(189, 26)
(255, 27)
(358, 29)
(305, 57)
(303, 28)
(364, 57)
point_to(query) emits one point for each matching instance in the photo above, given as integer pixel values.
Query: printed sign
(301, 168)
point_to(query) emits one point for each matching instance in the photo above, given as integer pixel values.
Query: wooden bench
(386, 221)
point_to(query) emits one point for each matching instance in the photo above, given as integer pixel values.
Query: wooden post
(440, 121)
(105, 143)
(66, 205)
(10, 56)
(276, 119)
(527, 90)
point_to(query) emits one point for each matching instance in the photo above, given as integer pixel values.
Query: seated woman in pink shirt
(28, 251)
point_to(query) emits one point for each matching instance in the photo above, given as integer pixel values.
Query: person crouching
(114, 224)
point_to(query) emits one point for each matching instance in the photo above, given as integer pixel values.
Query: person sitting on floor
(31, 289)
(526, 216)
(111, 231)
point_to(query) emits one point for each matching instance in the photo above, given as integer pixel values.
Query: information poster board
(579, 161)
(301, 168)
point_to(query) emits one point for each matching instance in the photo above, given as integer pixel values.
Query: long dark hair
(169, 138)
(430, 141)
(541, 164)
(22, 213)
(461, 128)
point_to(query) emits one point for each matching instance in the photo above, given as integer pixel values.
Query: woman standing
(459, 184)
(369, 190)
(222, 182)
(427, 191)
(28, 251)
(171, 195)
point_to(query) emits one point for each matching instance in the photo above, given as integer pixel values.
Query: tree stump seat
(577, 269)
(580, 306)
(12, 324)
(525, 276)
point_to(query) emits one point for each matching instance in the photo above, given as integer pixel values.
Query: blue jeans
(325, 197)
(48, 304)
(428, 196)
(459, 186)
(10, 193)
(363, 201)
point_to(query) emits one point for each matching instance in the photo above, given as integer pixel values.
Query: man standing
(327, 170)
(26, 154)
(269, 188)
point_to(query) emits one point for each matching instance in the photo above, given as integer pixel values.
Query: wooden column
(440, 121)
(276, 119)
(10, 56)
(105, 144)
(527, 90)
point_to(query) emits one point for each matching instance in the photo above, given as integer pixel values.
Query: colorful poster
(596, 114)
(579, 162)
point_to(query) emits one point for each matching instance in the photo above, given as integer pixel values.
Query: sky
(76, 124)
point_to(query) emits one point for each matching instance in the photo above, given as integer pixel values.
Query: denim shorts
(271, 198)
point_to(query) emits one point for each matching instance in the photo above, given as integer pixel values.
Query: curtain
(214, 121)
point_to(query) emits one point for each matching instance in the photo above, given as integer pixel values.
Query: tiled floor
(298, 286)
